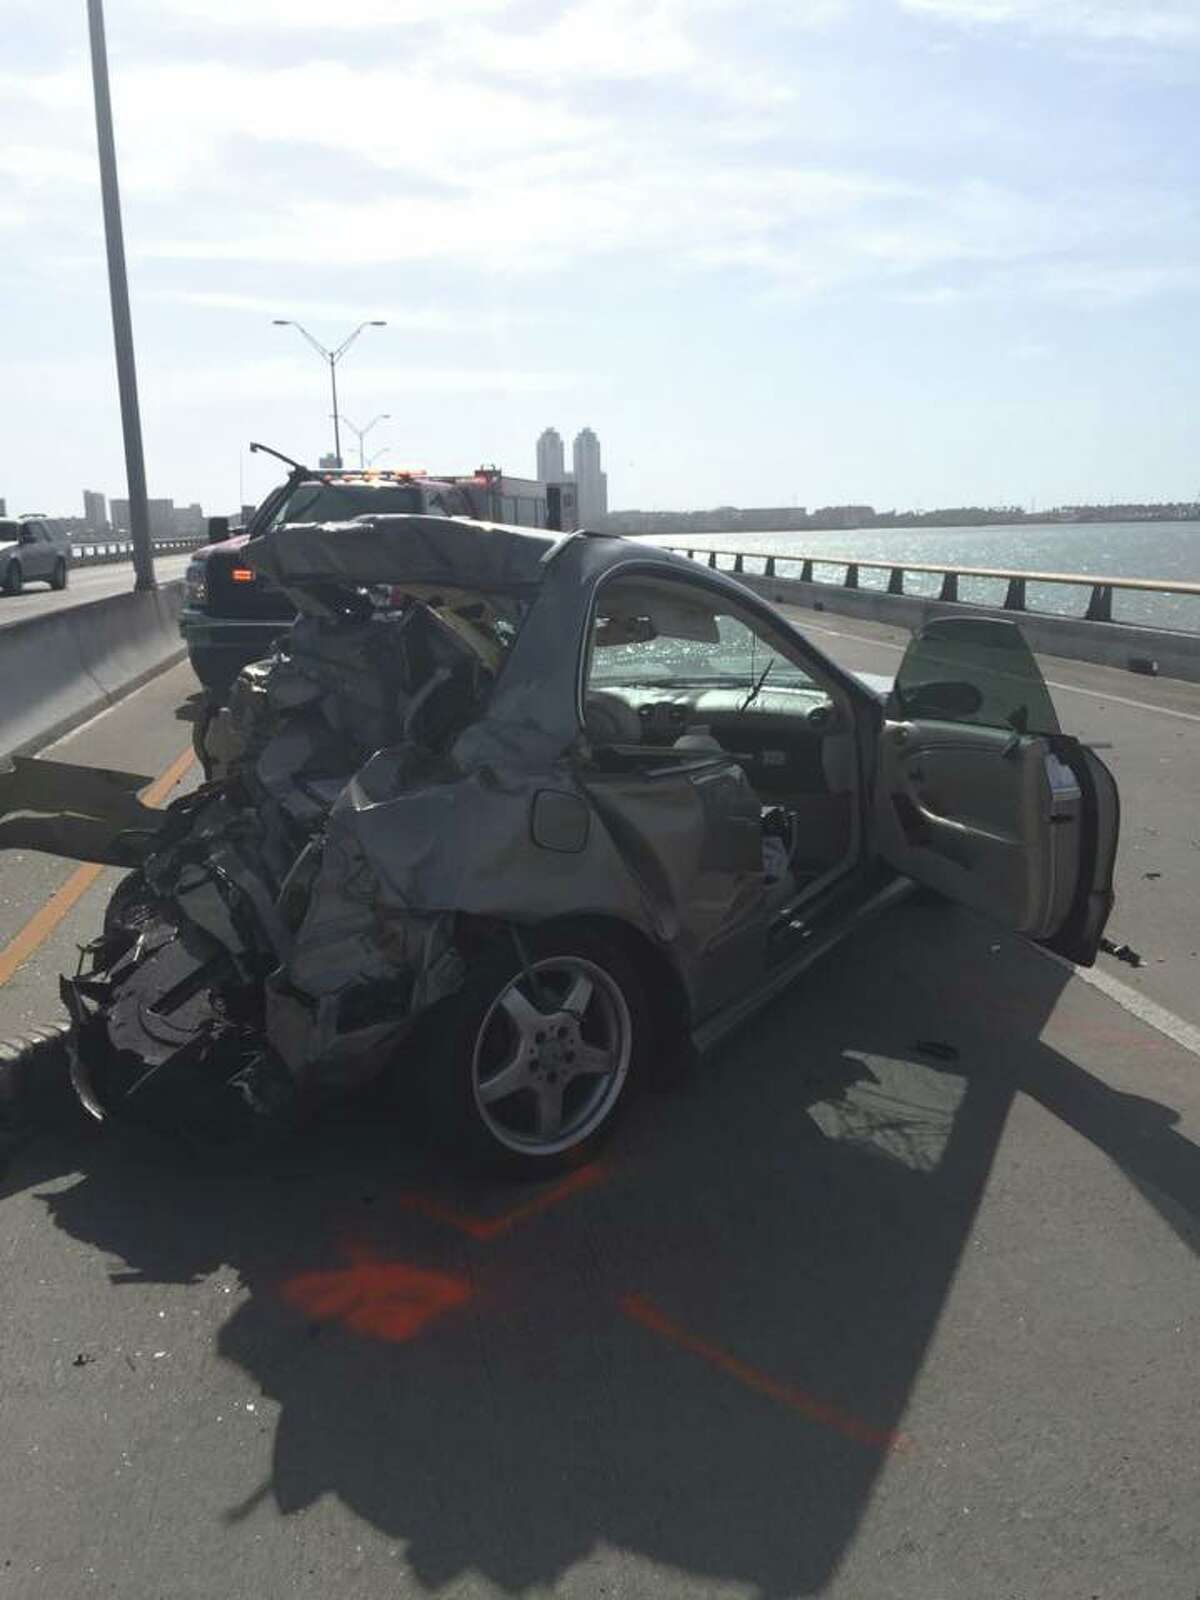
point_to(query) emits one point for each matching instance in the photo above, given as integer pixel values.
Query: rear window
(338, 502)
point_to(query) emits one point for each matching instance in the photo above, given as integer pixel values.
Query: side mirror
(218, 529)
(28, 536)
(949, 701)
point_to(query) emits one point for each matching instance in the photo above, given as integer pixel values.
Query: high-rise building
(590, 482)
(551, 459)
(188, 521)
(95, 511)
(161, 515)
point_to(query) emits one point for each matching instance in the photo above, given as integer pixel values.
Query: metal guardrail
(95, 553)
(1099, 607)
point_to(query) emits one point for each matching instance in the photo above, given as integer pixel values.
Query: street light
(361, 433)
(385, 451)
(332, 357)
(118, 293)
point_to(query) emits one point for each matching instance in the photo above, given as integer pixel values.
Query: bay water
(1164, 550)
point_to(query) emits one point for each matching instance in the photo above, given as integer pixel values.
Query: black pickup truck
(231, 616)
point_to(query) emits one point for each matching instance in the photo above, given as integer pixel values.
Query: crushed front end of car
(261, 956)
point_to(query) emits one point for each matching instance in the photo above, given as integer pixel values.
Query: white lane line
(1182, 1033)
(1051, 683)
(1120, 700)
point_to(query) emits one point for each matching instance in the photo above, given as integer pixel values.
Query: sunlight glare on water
(1166, 550)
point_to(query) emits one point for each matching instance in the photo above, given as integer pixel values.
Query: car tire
(569, 1034)
(12, 578)
(59, 578)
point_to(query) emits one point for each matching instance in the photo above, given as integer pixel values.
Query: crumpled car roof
(401, 548)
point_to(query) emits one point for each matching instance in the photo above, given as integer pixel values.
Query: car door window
(973, 670)
(653, 632)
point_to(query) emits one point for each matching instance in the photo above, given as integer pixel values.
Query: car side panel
(643, 859)
(37, 555)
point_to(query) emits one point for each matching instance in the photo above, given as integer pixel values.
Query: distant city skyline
(169, 521)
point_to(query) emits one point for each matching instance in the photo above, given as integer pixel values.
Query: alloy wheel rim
(551, 1056)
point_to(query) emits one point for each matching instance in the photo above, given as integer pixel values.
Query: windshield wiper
(762, 678)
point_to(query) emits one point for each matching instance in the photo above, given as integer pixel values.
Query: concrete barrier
(61, 667)
(1107, 644)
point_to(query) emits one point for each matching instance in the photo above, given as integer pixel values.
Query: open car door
(981, 796)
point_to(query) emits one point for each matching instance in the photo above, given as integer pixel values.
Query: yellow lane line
(44, 921)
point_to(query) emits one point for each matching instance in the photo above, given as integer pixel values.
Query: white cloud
(664, 211)
(409, 319)
(314, 16)
(1146, 21)
(634, 41)
(394, 116)
(36, 166)
(1088, 284)
(492, 151)
(283, 377)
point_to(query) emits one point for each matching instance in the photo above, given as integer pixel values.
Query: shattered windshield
(337, 502)
(670, 632)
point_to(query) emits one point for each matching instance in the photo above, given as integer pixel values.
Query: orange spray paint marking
(381, 1299)
(640, 1310)
(487, 1228)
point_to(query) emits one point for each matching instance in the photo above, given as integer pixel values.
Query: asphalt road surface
(896, 1300)
(85, 583)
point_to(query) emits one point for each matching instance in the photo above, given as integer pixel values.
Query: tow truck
(231, 616)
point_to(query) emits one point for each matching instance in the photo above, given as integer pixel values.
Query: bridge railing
(96, 552)
(1017, 582)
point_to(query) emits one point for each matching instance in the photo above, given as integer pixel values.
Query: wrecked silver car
(530, 821)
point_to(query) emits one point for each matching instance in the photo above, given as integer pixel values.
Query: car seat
(610, 720)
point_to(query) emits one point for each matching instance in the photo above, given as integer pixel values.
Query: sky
(898, 252)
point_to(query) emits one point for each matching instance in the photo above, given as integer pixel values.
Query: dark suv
(231, 616)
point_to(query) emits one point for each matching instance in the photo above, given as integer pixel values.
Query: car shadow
(699, 1350)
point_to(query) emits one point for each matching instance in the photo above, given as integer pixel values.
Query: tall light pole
(361, 433)
(118, 293)
(332, 357)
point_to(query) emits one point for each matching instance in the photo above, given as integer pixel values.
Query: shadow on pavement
(703, 1352)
